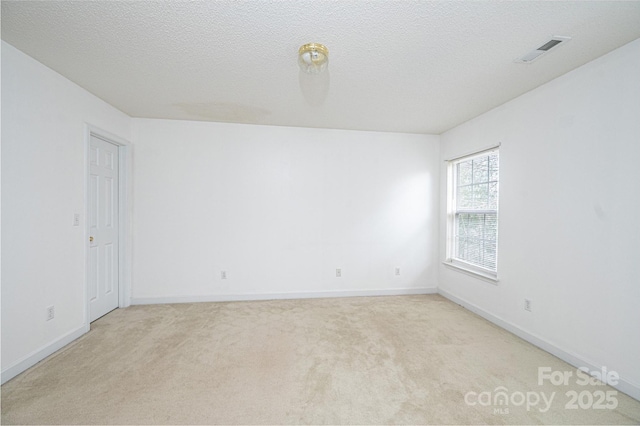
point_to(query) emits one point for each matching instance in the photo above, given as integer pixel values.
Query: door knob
(90, 239)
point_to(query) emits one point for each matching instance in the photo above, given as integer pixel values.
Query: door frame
(124, 215)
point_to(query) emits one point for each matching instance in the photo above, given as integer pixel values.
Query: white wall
(43, 178)
(280, 209)
(569, 236)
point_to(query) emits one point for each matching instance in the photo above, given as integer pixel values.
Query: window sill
(486, 276)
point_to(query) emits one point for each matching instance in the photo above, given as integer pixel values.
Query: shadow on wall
(402, 225)
(412, 203)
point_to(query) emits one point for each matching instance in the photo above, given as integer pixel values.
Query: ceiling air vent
(546, 47)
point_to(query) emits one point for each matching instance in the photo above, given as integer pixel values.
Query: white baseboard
(631, 389)
(278, 296)
(39, 354)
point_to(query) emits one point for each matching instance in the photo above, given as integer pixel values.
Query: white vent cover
(535, 54)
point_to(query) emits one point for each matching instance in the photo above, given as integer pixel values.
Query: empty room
(320, 212)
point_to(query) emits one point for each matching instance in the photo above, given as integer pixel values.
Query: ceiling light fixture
(313, 58)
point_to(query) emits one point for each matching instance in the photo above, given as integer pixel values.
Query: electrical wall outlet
(76, 219)
(338, 273)
(51, 312)
(527, 305)
(223, 275)
(397, 271)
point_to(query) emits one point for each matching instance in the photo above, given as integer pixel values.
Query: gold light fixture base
(313, 58)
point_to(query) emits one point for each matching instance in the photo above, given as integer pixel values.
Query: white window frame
(451, 260)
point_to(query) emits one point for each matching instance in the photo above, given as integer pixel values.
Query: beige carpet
(375, 360)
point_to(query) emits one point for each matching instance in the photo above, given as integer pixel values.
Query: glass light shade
(313, 58)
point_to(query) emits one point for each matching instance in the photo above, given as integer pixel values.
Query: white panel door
(103, 228)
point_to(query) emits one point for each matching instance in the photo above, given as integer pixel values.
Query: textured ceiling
(402, 66)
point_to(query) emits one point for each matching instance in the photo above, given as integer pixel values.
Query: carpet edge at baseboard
(41, 353)
(623, 385)
(281, 296)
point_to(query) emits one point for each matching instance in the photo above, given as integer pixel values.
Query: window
(472, 231)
